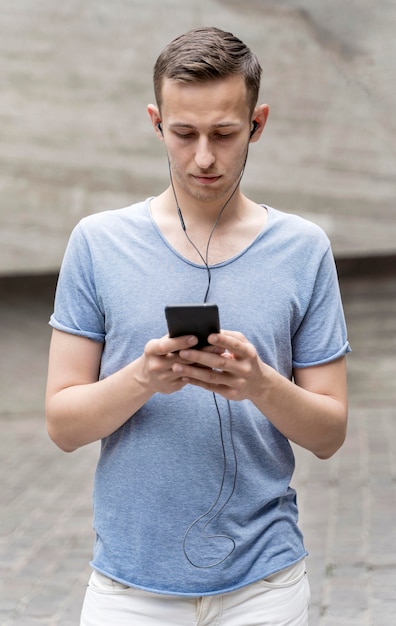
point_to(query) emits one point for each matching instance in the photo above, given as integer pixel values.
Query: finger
(231, 342)
(203, 376)
(166, 345)
(204, 359)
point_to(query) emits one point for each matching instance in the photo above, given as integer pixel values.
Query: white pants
(280, 600)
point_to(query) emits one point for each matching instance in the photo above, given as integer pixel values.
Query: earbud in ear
(160, 128)
(255, 127)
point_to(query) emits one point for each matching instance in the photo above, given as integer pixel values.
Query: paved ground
(347, 504)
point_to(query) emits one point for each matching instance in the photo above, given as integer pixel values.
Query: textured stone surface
(75, 138)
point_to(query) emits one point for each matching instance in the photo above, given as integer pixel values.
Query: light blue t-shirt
(192, 496)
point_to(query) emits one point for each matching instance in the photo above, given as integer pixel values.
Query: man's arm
(325, 391)
(81, 409)
(312, 411)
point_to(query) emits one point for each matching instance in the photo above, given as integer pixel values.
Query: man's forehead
(230, 91)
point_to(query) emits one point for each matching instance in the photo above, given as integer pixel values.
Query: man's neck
(202, 213)
(238, 225)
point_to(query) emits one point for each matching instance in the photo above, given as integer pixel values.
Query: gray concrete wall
(75, 138)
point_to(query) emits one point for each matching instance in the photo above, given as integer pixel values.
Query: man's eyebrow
(214, 126)
(180, 125)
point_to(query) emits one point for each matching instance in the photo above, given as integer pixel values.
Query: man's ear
(259, 120)
(154, 115)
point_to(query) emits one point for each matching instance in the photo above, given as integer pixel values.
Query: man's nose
(204, 156)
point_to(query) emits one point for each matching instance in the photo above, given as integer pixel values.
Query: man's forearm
(80, 414)
(310, 418)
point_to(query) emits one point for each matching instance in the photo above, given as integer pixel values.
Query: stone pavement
(348, 504)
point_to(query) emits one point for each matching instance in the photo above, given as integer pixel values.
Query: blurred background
(75, 139)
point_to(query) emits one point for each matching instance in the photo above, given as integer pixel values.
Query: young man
(195, 519)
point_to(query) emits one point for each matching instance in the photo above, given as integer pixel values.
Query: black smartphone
(199, 320)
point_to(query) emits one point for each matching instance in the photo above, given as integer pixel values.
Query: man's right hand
(155, 372)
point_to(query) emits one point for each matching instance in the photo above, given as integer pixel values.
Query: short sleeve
(77, 310)
(322, 335)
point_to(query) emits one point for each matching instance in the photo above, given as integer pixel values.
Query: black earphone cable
(212, 509)
(222, 505)
(205, 259)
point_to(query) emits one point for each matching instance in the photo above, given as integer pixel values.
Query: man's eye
(222, 136)
(185, 135)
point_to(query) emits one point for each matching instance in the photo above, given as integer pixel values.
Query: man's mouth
(206, 180)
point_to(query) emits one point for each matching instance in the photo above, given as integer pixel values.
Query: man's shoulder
(110, 217)
(291, 225)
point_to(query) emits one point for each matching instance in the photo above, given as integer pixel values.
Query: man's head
(206, 54)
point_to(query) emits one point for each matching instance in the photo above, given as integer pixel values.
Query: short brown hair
(205, 54)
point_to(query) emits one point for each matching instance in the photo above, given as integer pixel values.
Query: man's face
(206, 129)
